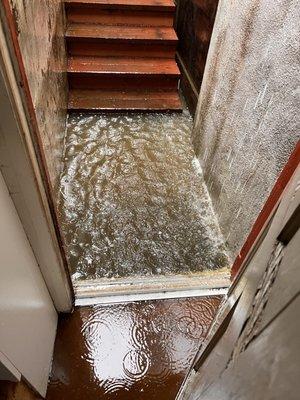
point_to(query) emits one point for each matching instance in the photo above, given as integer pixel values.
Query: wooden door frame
(266, 213)
(224, 333)
(23, 166)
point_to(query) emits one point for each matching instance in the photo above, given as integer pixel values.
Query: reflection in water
(138, 350)
(133, 200)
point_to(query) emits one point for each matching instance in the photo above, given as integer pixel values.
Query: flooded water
(139, 350)
(132, 198)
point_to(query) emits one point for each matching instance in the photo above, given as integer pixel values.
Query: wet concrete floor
(132, 198)
(132, 351)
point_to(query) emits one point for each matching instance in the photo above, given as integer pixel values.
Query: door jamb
(25, 174)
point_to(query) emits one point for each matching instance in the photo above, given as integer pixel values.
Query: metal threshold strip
(105, 291)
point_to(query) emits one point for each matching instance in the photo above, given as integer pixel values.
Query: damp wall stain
(139, 350)
(247, 120)
(41, 27)
(133, 201)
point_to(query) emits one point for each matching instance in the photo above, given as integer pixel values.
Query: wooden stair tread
(94, 100)
(122, 56)
(123, 65)
(111, 32)
(163, 5)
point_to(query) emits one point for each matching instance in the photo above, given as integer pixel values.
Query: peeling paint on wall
(247, 120)
(40, 27)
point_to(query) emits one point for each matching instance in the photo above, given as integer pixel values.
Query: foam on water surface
(132, 198)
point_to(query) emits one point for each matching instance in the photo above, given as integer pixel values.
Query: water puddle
(129, 351)
(132, 198)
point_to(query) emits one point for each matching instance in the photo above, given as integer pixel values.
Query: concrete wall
(247, 120)
(40, 27)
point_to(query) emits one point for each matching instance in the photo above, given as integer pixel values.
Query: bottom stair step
(94, 100)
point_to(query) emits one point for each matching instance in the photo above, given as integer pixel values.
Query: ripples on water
(132, 198)
(138, 350)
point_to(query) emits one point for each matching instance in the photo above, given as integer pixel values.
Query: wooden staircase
(121, 55)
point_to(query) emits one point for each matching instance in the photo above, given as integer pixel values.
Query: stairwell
(121, 55)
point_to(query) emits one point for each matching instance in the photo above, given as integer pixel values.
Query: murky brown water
(133, 200)
(133, 351)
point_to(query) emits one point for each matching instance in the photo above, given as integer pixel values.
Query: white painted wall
(28, 318)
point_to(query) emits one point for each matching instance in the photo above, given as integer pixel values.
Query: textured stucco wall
(247, 120)
(40, 26)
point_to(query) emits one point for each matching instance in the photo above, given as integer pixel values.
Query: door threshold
(120, 290)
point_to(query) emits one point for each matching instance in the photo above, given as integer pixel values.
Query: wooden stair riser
(122, 34)
(118, 101)
(122, 56)
(122, 81)
(85, 47)
(124, 5)
(94, 15)
(114, 109)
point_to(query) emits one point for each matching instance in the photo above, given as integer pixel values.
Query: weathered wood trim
(187, 86)
(265, 290)
(290, 228)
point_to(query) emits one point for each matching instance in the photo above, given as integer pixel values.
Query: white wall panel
(27, 316)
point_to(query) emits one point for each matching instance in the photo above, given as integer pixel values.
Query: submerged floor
(132, 198)
(137, 351)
